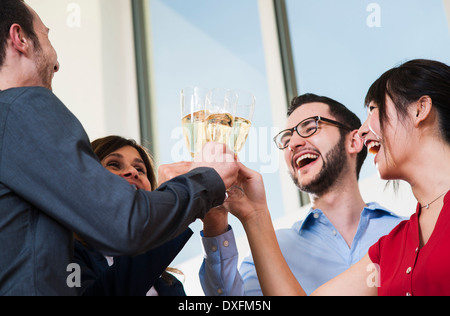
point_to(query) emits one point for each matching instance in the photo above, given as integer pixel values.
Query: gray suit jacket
(52, 184)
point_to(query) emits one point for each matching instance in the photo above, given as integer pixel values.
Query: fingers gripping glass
(305, 129)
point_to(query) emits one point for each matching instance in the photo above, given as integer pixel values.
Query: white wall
(95, 45)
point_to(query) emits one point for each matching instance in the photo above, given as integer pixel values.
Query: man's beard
(334, 164)
(44, 70)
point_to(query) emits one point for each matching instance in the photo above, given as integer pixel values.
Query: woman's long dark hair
(407, 84)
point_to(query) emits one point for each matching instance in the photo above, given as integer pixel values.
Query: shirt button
(334, 232)
(408, 294)
(408, 271)
(219, 291)
(213, 248)
(316, 215)
(226, 243)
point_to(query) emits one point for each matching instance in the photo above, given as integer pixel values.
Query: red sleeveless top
(407, 269)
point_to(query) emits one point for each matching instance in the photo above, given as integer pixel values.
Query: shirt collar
(371, 208)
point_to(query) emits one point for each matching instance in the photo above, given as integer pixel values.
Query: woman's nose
(130, 173)
(363, 130)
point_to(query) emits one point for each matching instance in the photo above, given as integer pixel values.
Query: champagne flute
(206, 115)
(245, 107)
(193, 118)
(220, 107)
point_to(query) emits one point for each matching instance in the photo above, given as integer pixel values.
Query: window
(215, 44)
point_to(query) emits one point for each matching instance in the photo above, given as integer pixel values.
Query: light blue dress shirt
(313, 249)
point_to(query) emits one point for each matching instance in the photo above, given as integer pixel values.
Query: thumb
(246, 172)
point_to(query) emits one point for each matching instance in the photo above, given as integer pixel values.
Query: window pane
(213, 44)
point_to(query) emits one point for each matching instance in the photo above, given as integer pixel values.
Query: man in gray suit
(51, 183)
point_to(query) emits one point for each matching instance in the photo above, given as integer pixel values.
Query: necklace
(428, 205)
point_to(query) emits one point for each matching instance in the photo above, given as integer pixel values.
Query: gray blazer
(52, 184)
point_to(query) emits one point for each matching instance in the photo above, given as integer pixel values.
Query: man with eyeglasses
(324, 156)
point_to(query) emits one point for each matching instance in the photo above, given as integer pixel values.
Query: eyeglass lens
(304, 129)
(307, 128)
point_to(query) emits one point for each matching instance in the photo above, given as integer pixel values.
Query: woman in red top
(408, 130)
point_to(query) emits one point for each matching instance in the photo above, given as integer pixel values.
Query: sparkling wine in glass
(193, 118)
(245, 107)
(229, 119)
(220, 108)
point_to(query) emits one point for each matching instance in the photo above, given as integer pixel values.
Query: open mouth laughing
(373, 147)
(305, 159)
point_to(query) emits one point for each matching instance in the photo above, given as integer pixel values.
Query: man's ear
(19, 40)
(356, 143)
(422, 109)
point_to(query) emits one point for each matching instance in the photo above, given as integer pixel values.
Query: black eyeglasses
(305, 129)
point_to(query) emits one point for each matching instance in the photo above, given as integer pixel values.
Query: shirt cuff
(219, 248)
